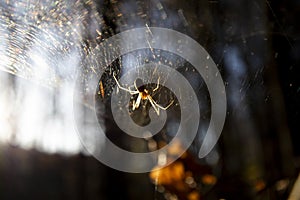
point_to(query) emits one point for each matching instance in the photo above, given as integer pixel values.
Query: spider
(143, 94)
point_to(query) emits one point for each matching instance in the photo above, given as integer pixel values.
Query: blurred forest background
(256, 46)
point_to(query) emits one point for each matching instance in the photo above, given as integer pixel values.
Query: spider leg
(135, 86)
(157, 85)
(123, 88)
(137, 103)
(153, 104)
(161, 107)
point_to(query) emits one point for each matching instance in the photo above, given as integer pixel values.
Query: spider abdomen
(144, 94)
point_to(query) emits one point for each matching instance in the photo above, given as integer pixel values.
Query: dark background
(256, 46)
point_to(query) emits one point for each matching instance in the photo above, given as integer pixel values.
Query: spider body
(143, 94)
